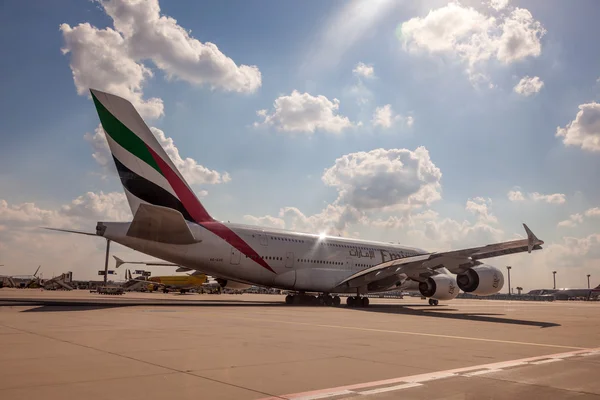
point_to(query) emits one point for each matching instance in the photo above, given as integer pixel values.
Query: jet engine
(482, 280)
(439, 287)
(224, 283)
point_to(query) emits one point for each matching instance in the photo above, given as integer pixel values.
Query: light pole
(554, 276)
(588, 276)
(106, 261)
(508, 268)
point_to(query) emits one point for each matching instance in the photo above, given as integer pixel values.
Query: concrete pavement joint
(173, 370)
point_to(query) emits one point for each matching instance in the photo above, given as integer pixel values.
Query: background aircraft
(566, 293)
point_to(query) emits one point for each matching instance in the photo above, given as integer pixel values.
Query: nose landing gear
(433, 302)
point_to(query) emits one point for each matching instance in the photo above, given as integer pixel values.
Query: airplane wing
(456, 261)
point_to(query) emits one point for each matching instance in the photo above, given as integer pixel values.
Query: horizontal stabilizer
(160, 224)
(119, 262)
(70, 231)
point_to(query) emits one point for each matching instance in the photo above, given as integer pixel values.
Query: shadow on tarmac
(444, 312)
(418, 309)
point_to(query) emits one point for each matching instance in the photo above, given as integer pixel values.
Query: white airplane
(171, 224)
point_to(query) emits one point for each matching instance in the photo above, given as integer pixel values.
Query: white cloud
(556, 198)
(193, 172)
(479, 207)
(112, 59)
(528, 86)
(498, 4)
(268, 221)
(370, 182)
(384, 116)
(447, 233)
(521, 37)
(302, 112)
(100, 146)
(24, 213)
(88, 208)
(474, 37)
(593, 212)
(333, 219)
(100, 60)
(584, 130)
(410, 220)
(364, 70)
(385, 178)
(24, 243)
(515, 195)
(96, 206)
(573, 220)
(159, 38)
(578, 218)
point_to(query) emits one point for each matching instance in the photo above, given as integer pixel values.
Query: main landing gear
(357, 301)
(306, 299)
(433, 302)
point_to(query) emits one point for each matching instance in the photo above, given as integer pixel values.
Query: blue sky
(455, 81)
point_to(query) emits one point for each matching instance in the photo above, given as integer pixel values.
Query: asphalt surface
(150, 346)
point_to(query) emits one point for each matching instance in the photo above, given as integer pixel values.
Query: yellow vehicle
(182, 283)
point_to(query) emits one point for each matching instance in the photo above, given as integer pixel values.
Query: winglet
(532, 240)
(119, 261)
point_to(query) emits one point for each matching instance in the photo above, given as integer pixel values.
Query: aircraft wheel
(433, 302)
(365, 302)
(350, 301)
(289, 299)
(336, 301)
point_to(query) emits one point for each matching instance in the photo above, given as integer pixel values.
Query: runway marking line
(412, 381)
(436, 335)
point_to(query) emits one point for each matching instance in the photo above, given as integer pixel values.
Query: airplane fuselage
(282, 259)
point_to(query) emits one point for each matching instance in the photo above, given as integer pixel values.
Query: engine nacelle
(482, 280)
(224, 283)
(439, 287)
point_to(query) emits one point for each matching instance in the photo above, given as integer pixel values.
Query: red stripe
(188, 199)
(233, 239)
(201, 216)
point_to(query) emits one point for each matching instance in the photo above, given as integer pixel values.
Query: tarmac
(56, 345)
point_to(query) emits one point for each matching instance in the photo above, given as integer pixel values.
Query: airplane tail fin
(147, 173)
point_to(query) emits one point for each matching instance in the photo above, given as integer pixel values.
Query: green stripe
(124, 136)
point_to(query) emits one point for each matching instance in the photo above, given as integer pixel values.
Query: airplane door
(349, 264)
(235, 256)
(289, 259)
(263, 239)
